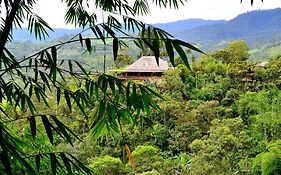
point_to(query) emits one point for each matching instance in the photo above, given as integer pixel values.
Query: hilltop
(258, 28)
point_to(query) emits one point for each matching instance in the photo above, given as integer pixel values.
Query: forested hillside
(220, 117)
(260, 29)
(63, 109)
(255, 27)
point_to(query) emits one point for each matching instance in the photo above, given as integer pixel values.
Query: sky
(53, 10)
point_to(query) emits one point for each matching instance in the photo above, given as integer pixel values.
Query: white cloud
(53, 10)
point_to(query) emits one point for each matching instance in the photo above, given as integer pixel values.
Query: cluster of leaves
(103, 100)
(105, 103)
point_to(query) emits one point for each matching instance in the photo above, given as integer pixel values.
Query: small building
(143, 69)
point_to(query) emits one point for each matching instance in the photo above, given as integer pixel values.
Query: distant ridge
(22, 35)
(176, 26)
(259, 28)
(256, 27)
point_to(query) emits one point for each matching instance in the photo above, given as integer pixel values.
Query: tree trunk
(9, 24)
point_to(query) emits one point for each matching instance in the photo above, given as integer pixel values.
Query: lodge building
(145, 68)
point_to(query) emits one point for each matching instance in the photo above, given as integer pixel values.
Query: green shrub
(107, 165)
(153, 172)
(147, 158)
(268, 163)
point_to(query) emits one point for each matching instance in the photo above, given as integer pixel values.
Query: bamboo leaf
(37, 161)
(67, 98)
(54, 54)
(111, 33)
(170, 51)
(179, 42)
(115, 48)
(153, 92)
(6, 162)
(156, 50)
(48, 128)
(111, 84)
(81, 39)
(53, 161)
(81, 165)
(94, 31)
(30, 105)
(128, 95)
(88, 45)
(58, 95)
(32, 123)
(182, 54)
(100, 34)
(66, 163)
(36, 90)
(62, 129)
(101, 109)
(81, 67)
(148, 44)
(30, 91)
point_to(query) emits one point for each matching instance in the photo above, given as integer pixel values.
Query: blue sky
(53, 10)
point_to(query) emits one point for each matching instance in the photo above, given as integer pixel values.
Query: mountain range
(256, 27)
(260, 28)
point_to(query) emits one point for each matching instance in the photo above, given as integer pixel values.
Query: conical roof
(148, 64)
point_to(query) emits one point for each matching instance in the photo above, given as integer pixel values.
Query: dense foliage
(218, 115)
(42, 89)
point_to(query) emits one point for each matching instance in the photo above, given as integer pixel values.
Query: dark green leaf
(22, 101)
(67, 98)
(53, 161)
(37, 161)
(32, 123)
(81, 67)
(153, 92)
(88, 44)
(182, 54)
(101, 109)
(58, 95)
(62, 129)
(66, 163)
(179, 42)
(149, 45)
(170, 51)
(70, 66)
(81, 39)
(30, 91)
(54, 54)
(100, 34)
(156, 50)
(111, 84)
(48, 128)
(128, 94)
(94, 31)
(111, 33)
(115, 48)
(30, 105)
(81, 165)
(6, 162)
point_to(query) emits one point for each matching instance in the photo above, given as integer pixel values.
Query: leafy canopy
(105, 103)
